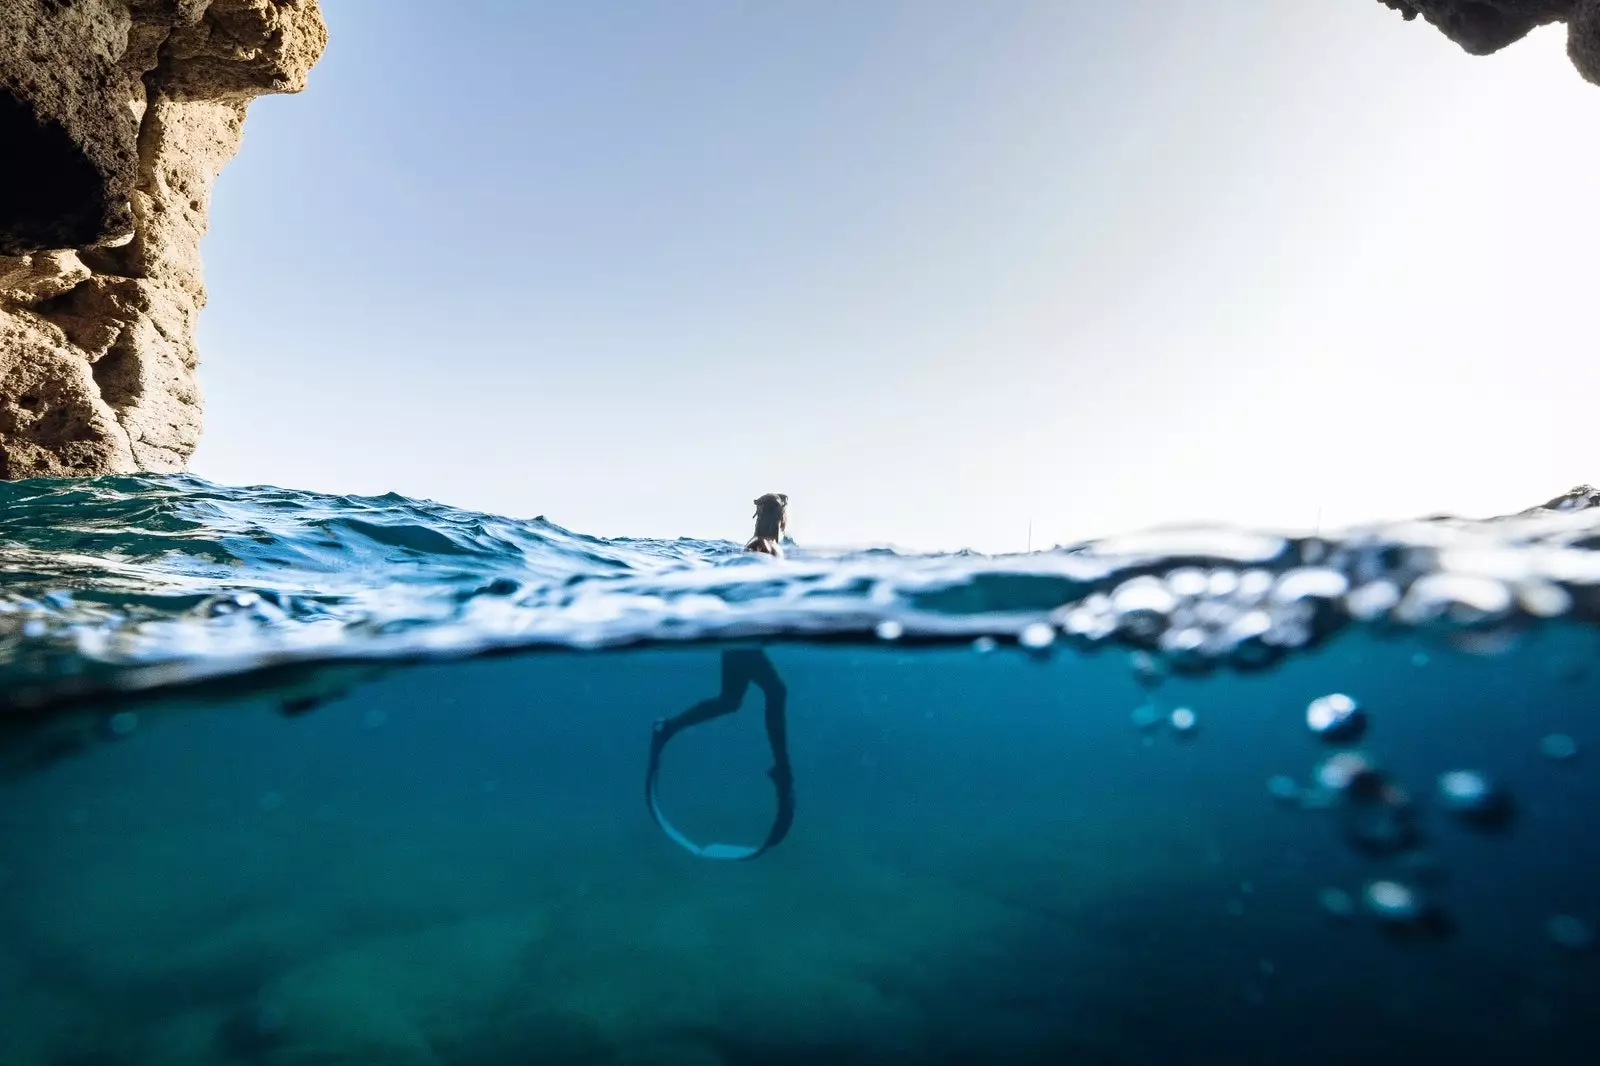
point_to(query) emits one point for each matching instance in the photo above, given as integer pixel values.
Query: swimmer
(772, 522)
(741, 667)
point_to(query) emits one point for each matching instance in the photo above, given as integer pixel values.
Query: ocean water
(298, 779)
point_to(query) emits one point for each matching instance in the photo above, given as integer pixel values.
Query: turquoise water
(294, 779)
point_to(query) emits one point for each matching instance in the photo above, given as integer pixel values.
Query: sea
(291, 779)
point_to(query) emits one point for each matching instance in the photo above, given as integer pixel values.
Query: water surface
(299, 779)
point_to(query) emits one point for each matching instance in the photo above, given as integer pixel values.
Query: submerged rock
(125, 112)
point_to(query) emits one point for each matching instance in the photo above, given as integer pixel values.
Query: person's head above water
(772, 519)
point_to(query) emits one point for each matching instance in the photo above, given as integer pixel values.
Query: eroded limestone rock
(122, 113)
(1484, 26)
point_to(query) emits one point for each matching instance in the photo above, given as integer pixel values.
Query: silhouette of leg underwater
(740, 669)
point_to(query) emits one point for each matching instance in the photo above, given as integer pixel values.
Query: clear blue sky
(933, 268)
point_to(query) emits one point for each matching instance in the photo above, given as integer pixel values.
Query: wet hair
(772, 515)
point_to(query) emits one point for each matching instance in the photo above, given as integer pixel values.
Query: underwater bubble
(122, 723)
(1284, 788)
(1375, 816)
(1574, 934)
(889, 629)
(985, 645)
(1543, 599)
(33, 627)
(1254, 584)
(1405, 913)
(1336, 718)
(1310, 582)
(1287, 633)
(1222, 583)
(1037, 635)
(1183, 721)
(1559, 746)
(1463, 788)
(1337, 902)
(270, 801)
(1141, 606)
(1143, 593)
(1246, 640)
(1343, 771)
(1147, 716)
(1147, 669)
(1236, 908)
(1372, 600)
(1089, 621)
(1471, 797)
(1420, 659)
(1215, 613)
(1393, 901)
(374, 718)
(1188, 582)
(1183, 647)
(1462, 599)
(1248, 625)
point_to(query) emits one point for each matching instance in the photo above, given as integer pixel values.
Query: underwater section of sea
(291, 779)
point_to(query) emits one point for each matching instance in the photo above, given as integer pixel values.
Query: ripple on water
(114, 574)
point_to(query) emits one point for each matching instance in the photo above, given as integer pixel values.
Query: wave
(132, 582)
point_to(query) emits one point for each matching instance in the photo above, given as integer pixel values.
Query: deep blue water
(1004, 849)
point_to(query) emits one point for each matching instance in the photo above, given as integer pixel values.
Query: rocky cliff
(115, 118)
(1484, 26)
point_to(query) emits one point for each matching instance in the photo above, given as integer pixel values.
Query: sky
(949, 274)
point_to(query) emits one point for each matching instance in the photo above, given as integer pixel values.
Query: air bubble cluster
(1193, 618)
(1378, 818)
(1336, 718)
